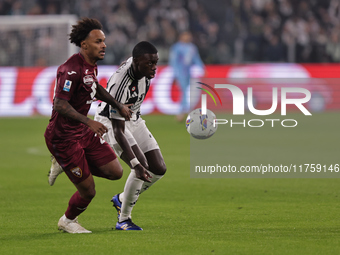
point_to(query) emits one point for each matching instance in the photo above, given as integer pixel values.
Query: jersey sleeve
(66, 83)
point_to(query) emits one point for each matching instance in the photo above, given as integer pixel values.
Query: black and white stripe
(125, 88)
(121, 88)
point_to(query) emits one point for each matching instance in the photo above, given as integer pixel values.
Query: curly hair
(82, 29)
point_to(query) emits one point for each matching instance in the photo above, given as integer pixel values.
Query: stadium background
(232, 37)
(226, 32)
(255, 39)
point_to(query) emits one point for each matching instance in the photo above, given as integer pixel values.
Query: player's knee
(92, 194)
(88, 194)
(162, 169)
(159, 169)
(119, 173)
(116, 174)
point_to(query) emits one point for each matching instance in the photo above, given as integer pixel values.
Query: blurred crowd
(225, 31)
(290, 30)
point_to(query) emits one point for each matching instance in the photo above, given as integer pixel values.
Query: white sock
(146, 185)
(130, 195)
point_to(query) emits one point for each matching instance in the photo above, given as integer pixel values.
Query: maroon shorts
(77, 157)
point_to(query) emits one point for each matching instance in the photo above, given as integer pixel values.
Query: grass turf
(180, 215)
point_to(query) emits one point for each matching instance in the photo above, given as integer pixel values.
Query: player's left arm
(105, 96)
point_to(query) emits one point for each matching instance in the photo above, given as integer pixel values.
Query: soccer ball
(201, 126)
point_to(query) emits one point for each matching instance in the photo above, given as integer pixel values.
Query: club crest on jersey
(67, 85)
(77, 172)
(88, 79)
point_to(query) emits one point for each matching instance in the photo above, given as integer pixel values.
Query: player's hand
(98, 128)
(142, 174)
(125, 111)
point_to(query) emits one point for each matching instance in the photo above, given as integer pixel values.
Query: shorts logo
(88, 80)
(67, 85)
(77, 172)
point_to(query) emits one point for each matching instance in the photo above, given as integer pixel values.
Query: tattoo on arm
(64, 108)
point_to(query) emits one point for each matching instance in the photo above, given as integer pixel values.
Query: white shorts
(136, 132)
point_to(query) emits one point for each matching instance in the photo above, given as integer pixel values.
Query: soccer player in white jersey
(131, 140)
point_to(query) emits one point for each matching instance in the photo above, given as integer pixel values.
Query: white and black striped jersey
(126, 89)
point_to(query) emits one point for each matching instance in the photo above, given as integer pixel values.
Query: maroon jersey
(76, 83)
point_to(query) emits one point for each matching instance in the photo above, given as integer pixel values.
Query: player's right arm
(64, 108)
(105, 96)
(118, 129)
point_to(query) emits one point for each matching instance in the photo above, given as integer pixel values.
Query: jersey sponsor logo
(72, 72)
(77, 172)
(67, 85)
(88, 80)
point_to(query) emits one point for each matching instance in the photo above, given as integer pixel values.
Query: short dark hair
(142, 48)
(82, 29)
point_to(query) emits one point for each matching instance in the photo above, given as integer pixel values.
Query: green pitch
(179, 215)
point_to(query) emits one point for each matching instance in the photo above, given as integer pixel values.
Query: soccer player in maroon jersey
(75, 140)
